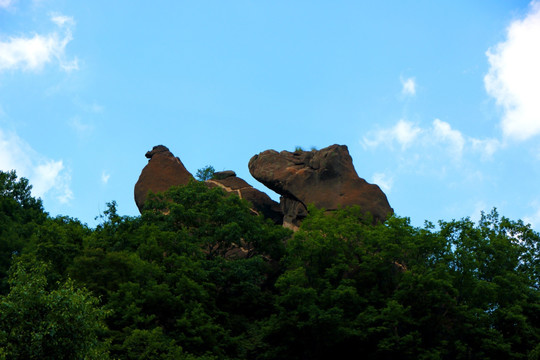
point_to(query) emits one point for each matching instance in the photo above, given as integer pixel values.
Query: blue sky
(438, 102)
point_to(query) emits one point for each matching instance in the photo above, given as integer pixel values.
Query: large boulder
(162, 171)
(325, 178)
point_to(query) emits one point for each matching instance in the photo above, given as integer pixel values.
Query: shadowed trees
(198, 276)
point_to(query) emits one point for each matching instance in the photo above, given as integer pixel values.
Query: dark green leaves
(395, 291)
(198, 276)
(36, 323)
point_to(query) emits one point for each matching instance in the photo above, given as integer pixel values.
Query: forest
(198, 276)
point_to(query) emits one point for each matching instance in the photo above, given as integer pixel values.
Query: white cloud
(384, 181)
(5, 3)
(443, 133)
(105, 177)
(514, 76)
(404, 133)
(47, 177)
(95, 108)
(62, 20)
(533, 219)
(439, 135)
(82, 129)
(409, 86)
(89, 107)
(486, 147)
(32, 53)
(50, 176)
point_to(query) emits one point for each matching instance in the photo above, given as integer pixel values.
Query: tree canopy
(41, 323)
(198, 276)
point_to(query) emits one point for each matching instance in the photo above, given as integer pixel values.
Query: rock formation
(261, 202)
(325, 178)
(162, 171)
(165, 170)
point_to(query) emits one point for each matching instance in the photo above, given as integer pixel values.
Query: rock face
(162, 171)
(261, 202)
(165, 170)
(325, 178)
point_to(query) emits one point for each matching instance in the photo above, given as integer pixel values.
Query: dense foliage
(198, 276)
(36, 323)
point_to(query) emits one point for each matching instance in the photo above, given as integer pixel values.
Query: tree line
(198, 276)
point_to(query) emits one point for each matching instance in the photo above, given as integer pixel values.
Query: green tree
(198, 276)
(18, 191)
(20, 217)
(392, 290)
(152, 345)
(206, 173)
(190, 276)
(217, 222)
(236, 252)
(494, 271)
(38, 323)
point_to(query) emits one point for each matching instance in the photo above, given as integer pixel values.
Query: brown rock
(262, 203)
(162, 171)
(325, 178)
(165, 170)
(223, 174)
(293, 212)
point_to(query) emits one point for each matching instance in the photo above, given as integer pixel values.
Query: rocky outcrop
(325, 178)
(162, 171)
(262, 203)
(165, 170)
